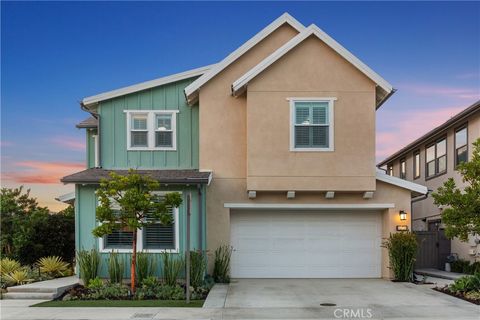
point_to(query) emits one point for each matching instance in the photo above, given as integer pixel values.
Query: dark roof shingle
(90, 122)
(94, 175)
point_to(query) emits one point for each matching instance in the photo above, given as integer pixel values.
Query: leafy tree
(68, 211)
(133, 195)
(462, 215)
(16, 206)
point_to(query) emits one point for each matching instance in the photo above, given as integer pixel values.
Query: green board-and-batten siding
(85, 205)
(114, 154)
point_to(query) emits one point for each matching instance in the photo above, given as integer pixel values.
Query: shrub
(111, 291)
(95, 283)
(172, 266)
(89, 263)
(466, 284)
(198, 264)
(8, 266)
(53, 266)
(464, 266)
(20, 276)
(146, 265)
(221, 268)
(402, 248)
(116, 268)
(152, 289)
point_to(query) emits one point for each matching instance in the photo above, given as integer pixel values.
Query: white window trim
(331, 122)
(96, 152)
(101, 244)
(151, 129)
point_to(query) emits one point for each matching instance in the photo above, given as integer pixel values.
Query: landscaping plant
(172, 267)
(20, 276)
(151, 288)
(8, 265)
(89, 263)
(221, 268)
(116, 267)
(53, 266)
(402, 248)
(146, 265)
(462, 205)
(198, 264)
(138, 208)
(466, 284)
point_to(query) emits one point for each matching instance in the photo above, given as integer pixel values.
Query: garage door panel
(306, 244)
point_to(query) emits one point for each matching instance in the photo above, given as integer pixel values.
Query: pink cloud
(70, 143)
(405, 127)
(451, 92)
(41, 172)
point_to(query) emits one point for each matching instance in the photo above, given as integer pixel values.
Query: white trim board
(145, 85)
(414, 187)
(284, 18)
(308, 206)
(239, 84)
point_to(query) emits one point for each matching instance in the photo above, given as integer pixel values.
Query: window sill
(311, 150)
(151, 149)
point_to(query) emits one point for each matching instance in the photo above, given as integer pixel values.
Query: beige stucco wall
(426, 209)
(223, 141)
(312, 69)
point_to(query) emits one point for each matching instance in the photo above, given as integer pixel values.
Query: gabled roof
(192, 89)
(453, 121)
(384, 89)
(415, 188)
(88, 101)
(67, 198)
(90, 122)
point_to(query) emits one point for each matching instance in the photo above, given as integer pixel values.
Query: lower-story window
(154, 237)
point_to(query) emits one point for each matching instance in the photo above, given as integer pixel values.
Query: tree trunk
(133, 266)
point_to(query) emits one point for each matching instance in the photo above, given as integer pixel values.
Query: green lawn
(122, 303)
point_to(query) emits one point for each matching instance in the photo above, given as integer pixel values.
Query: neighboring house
(431, 160)
(277, 144)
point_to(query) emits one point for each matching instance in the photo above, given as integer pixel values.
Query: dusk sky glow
(55, 53)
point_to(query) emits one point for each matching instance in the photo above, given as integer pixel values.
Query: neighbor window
(151, 130)
(155, 236)
(461, 149)
(403, 169)
(390, 169)
(416, 165)
(436, 158)
(312, 124)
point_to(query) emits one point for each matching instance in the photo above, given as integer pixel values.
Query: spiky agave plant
(19, 276)
(8, 265)
(53, 266)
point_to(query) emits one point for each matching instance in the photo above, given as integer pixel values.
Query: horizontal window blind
(119, 239)
(158, 236)
(311, 125)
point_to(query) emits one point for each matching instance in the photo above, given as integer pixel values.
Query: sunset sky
(54, 54)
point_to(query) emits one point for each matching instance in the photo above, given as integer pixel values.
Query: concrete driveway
(345, 298)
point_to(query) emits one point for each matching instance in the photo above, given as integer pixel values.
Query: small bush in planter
(198, 264)
(89, 263)
(146, 265)
(116, 268)
(172, 267)
(402, 248)
(151, 288)
(221, 268)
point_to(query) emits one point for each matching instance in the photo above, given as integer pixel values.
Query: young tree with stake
(133, 193)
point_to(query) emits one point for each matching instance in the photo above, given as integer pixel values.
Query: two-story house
(431, 160)
(277, 142)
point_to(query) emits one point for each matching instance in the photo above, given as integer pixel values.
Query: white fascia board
(311, 30)
(284, 18)
(414, 187)
(309, 206)
(146, 85)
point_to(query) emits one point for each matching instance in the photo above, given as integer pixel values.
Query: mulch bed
(456, 295)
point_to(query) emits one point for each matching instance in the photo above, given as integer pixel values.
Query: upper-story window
(311, 124)
(461, 145)
(403, 169)
(416, 164)
(151, 130)
(390, 169)
(436, 158)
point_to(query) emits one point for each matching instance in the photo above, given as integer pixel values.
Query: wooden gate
(433, 249)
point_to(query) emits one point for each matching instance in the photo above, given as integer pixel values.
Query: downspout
(97, 116)
(200, 217)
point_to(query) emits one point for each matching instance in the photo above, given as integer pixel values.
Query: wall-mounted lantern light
(403, 215)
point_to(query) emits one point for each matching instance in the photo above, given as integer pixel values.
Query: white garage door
(304, 244)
